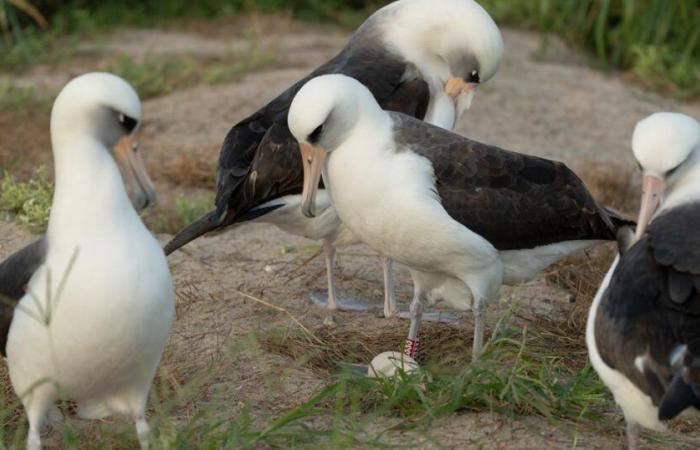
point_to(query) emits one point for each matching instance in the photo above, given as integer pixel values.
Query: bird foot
(329, 321)
(431, 316)
(345, 304)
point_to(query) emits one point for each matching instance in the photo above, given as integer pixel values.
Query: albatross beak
(456, 86)
(652, 188)
(312, 158)
(126, 152)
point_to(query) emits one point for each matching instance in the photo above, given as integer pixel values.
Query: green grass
(658, 40)
(512, 379)
(14, 98)
(185, 212)
(70, 20)
(519, 374)
(160, 75)
(29, 201)
(192, 208)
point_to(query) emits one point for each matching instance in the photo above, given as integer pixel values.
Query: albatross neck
(89, 192)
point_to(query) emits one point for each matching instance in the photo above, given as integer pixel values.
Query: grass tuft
(657, 40)
(158, 75)
(30, 201)
(185, 212)
(26, 99)
(520, 373)
(529, 356)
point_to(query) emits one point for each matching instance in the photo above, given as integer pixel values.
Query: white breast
(388, 200)
(109, 316)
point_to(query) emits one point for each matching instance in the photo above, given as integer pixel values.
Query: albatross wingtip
(208, 222)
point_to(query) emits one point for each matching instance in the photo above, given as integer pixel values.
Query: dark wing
(651, 309)
(15, 273)
(515, 201)
(237, 153)
(410, 97)
(259, 159)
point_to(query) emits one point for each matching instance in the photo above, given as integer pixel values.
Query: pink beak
(652, 188)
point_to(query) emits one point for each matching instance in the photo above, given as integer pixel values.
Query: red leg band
(411, 348)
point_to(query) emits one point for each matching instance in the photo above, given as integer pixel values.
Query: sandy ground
(544, 101)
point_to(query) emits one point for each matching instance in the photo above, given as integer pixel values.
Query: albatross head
(665, 145)
(320, 118)
(452, 43)
(103, 109)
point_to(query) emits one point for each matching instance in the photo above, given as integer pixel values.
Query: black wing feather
(515, 201)
(15, 273)
(246, 178)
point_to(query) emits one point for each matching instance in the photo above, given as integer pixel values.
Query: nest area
(324, 348)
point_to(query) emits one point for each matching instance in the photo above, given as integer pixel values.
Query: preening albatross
(643, 330)
(420, 58)
(464, 217)
(94, 298)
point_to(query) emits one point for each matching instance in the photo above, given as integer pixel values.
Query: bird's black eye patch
(128, 123)
(473, 77)
(316, 135)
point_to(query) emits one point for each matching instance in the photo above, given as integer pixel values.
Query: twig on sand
(296, 271)
(281, 309)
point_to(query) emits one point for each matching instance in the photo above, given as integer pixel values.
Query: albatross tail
(208, 222)
(211, 222)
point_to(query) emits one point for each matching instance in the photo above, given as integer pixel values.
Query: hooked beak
(312, 159)
(456, 86)
(126, 152)
(652, 188)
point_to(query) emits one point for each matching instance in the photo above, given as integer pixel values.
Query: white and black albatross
(424, 59)
(643, 331)
(87, 309)
(464, 217)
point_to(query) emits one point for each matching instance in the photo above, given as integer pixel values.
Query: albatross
(88, 307)
(643, 331)
(425, 59)
(464, 217)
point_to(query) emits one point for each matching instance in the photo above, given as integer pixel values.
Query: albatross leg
(479, 306)
(37, 404)
(332, 302)
(329, 254)
(416, 310)
(632, 436)
(390, 308)
(143, 431)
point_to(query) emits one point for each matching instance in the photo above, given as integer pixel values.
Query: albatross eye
(315, 135)
(473, 77)
(127, 123)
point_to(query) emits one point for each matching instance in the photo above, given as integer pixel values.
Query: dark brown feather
(15, 273)
(259, 159)
(514, 201)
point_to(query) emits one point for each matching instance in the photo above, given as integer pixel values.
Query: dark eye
(316, 134)
(473, 77)
(128, 123)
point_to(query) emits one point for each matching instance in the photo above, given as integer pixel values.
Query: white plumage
(386, 192)
(95, 319)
